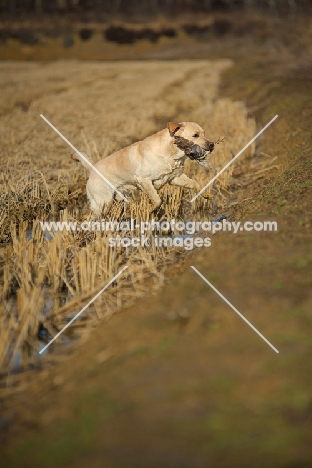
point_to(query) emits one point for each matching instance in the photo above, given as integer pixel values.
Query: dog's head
(193, 132)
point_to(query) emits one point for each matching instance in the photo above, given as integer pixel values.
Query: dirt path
(178, 379)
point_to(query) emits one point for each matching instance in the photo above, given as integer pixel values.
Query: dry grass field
(99, 108)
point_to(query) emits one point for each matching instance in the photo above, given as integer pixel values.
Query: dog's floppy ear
(174, 127)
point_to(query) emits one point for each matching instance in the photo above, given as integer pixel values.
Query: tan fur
(146, 164)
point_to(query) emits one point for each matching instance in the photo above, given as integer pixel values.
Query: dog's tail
(84, 160)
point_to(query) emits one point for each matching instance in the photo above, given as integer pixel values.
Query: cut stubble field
(99, 108)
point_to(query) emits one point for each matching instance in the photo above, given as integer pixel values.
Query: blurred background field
(122, 29)
(174, 379)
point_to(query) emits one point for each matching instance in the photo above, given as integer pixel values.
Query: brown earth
(178, 379)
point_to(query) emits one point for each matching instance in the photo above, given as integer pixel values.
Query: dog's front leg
(184, 181)
(147, 186)
(160, 182)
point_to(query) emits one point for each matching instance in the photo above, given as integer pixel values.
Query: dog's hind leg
(99, 200)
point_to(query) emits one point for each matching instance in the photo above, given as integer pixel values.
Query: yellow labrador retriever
(147, 164)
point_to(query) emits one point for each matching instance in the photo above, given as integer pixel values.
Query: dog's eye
(196, 135)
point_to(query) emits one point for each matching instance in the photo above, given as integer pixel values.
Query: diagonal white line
(234, 308)
(233, 159)
(83, 309)
(83, 157)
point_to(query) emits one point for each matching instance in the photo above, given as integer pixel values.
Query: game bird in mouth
(194, 151)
